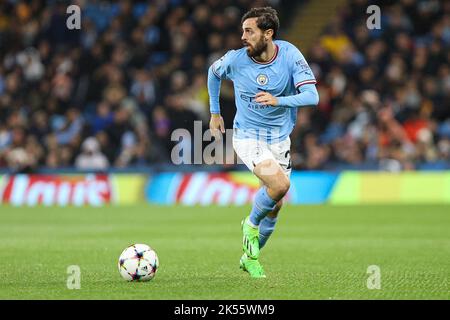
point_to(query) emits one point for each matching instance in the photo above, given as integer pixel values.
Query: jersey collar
(271, 60)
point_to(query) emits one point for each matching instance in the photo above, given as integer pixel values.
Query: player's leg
(267, 225)
(260, 160)
(269, 197)
(275, 186)
(281, 152)
(254, 154)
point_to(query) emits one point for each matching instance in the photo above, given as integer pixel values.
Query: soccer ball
(138, 262)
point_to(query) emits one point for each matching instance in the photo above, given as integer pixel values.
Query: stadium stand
(110, 94)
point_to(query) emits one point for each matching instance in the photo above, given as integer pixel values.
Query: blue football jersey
(281, 76)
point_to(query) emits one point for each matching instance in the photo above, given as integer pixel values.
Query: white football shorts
(252, 152)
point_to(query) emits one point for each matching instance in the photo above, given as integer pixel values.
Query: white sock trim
(251, 224)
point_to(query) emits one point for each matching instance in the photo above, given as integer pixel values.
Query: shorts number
(286, 155)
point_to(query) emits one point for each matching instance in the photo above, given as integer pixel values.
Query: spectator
(91, 157)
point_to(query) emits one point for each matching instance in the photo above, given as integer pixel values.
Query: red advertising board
(214, 188)
(30, 190)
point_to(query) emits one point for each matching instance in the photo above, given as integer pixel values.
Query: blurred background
(86, 118)
(137, 70)
(108, 96)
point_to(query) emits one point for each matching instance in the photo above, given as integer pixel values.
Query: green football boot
(242, 262)
(252, 266)
(250, 241)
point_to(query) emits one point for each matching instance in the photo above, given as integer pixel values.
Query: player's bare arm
(216, 125)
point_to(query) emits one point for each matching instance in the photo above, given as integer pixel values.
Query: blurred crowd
(384, 93)
(111, 93)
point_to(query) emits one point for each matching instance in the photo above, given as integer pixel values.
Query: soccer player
(271, 80)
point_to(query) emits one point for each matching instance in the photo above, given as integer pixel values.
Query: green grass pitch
(316, 252)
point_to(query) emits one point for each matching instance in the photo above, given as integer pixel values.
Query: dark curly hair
(267, 18)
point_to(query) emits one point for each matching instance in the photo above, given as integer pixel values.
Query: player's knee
(282, 187)
(285, 186)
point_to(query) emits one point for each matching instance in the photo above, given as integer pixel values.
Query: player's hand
(216, 125)
(266, 99)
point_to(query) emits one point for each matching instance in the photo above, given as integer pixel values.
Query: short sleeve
(222, 68)
(302, 73)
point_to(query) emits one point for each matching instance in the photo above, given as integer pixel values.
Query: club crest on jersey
(262, 79)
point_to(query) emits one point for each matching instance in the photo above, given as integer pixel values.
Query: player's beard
(257, 49)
